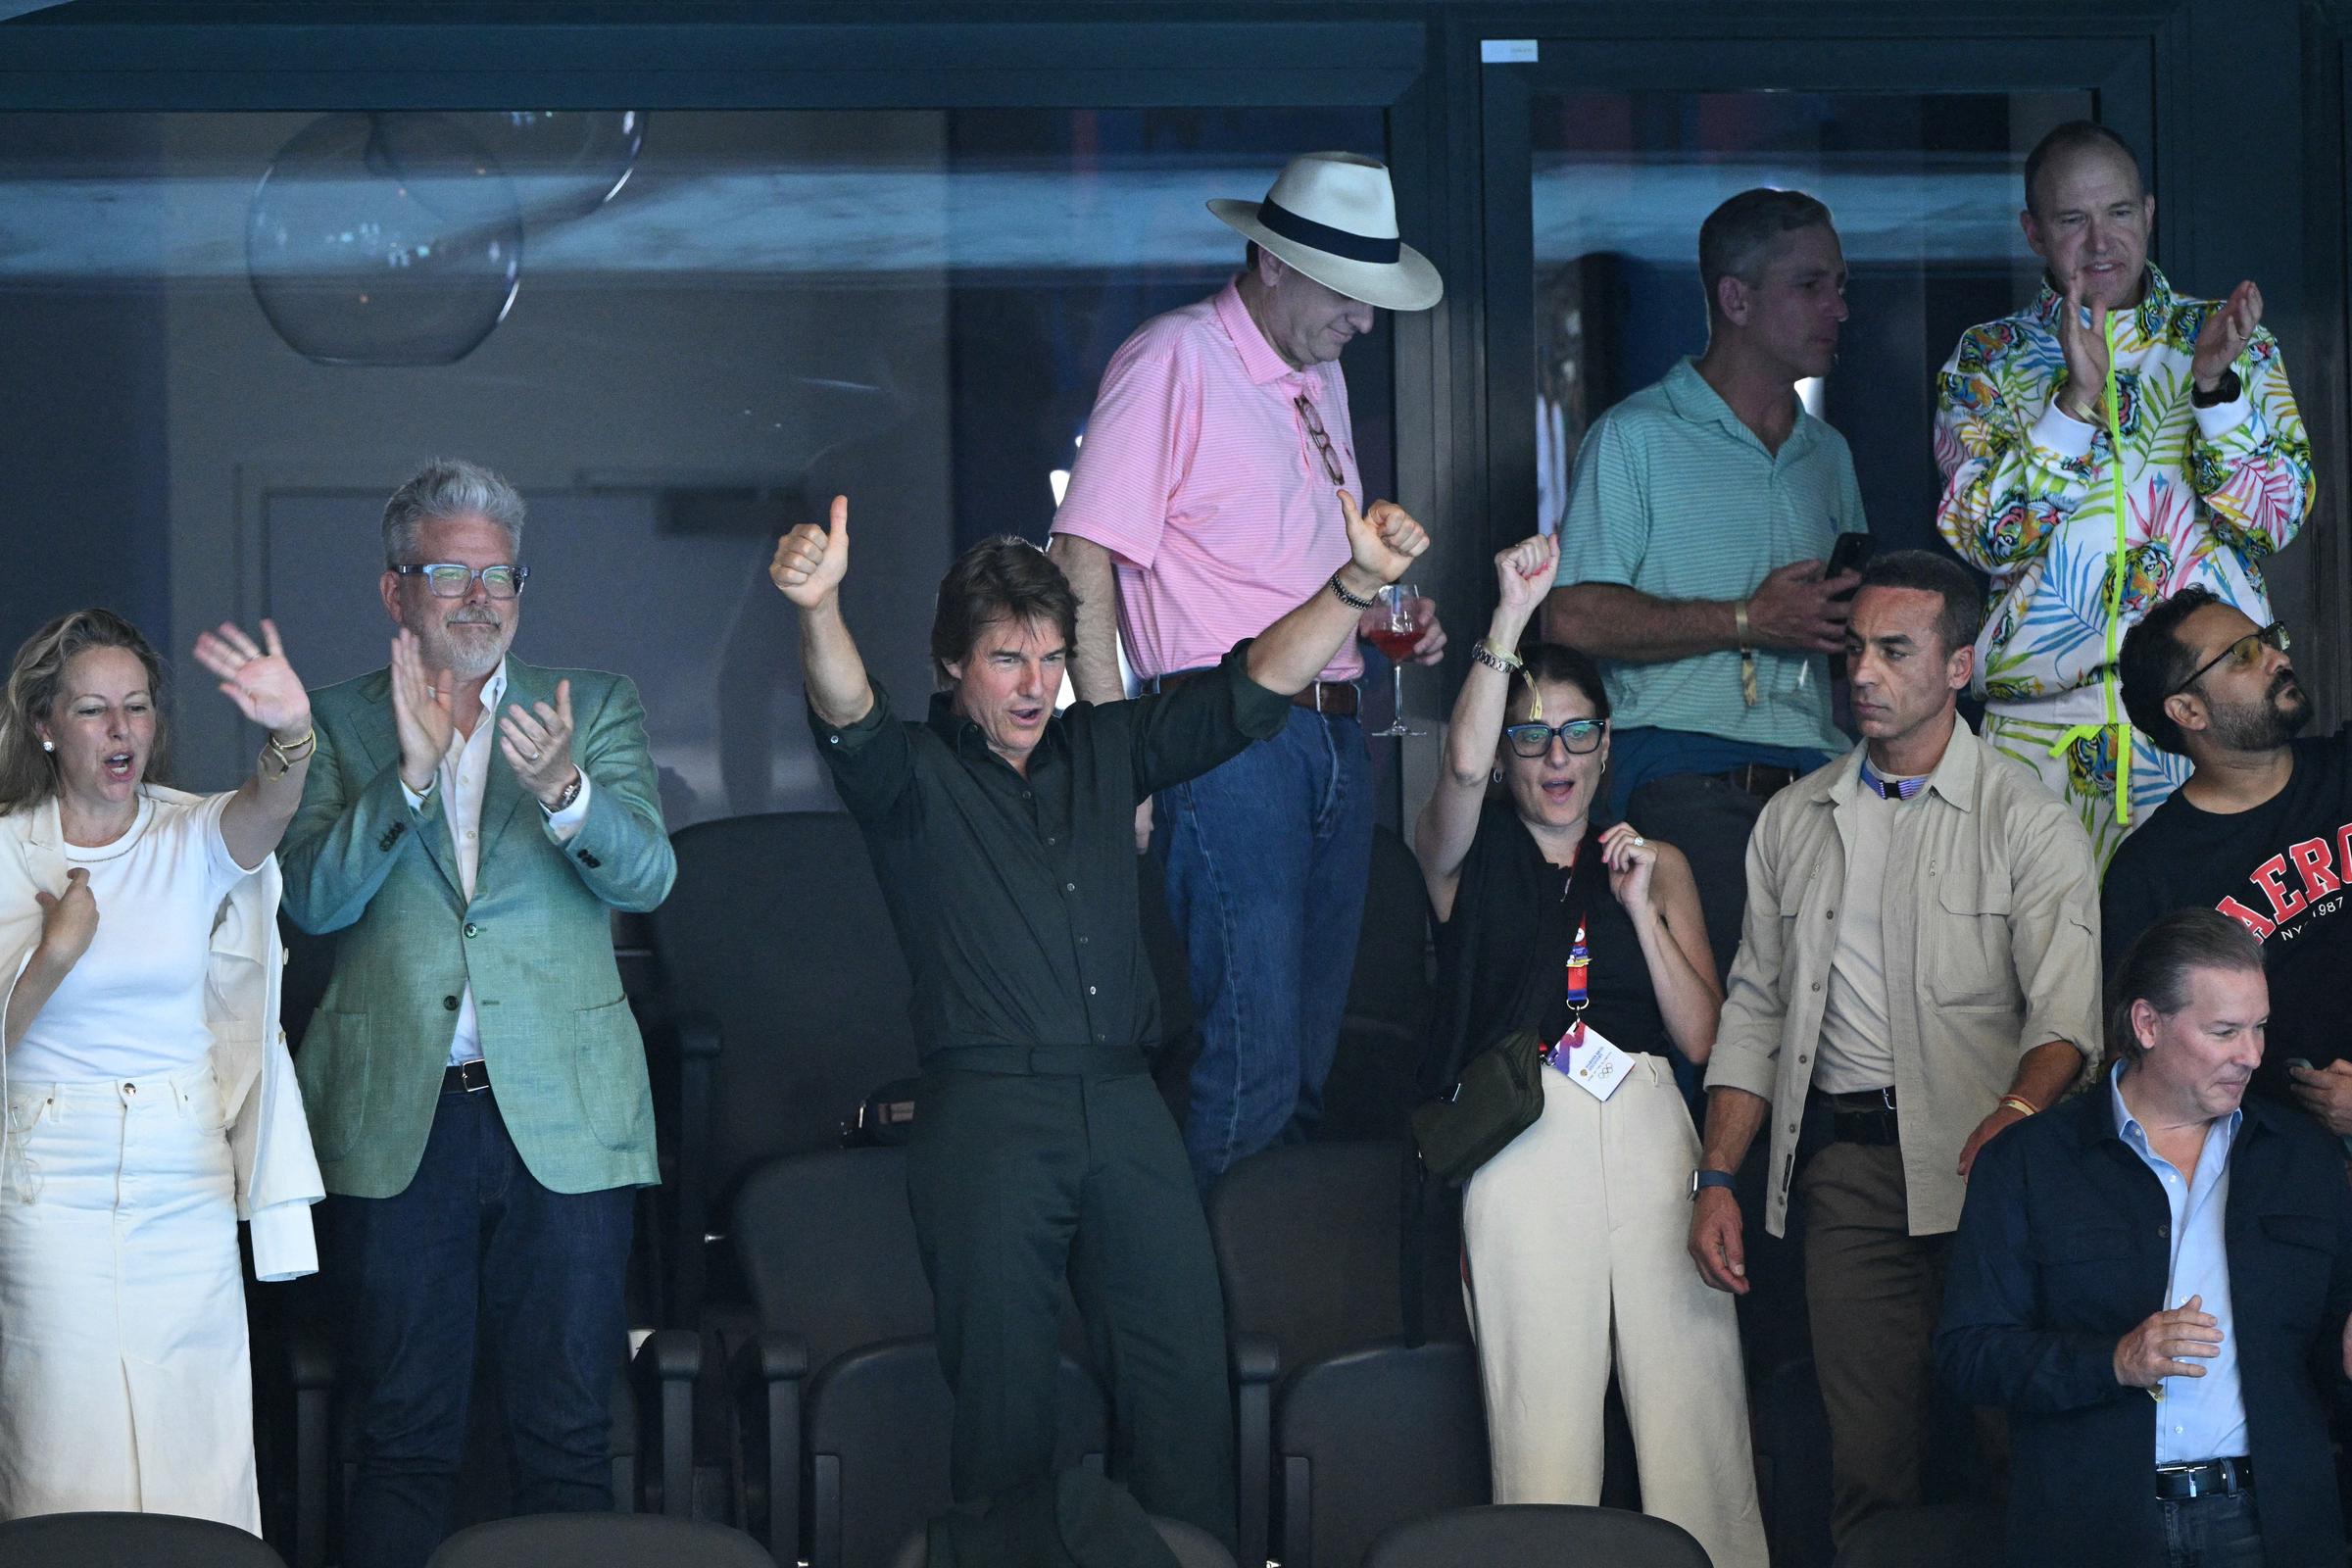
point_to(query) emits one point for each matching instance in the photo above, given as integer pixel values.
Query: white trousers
(1576, 1240)
(126, 1382)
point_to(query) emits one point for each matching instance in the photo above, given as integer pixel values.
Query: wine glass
(1395, 635)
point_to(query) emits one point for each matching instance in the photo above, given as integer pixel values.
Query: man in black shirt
(2261, 831)
(1003, 838)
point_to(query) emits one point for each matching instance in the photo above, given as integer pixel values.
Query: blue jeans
(1268, 858)
(475, 1242)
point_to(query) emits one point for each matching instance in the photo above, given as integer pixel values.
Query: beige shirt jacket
(1991, 934)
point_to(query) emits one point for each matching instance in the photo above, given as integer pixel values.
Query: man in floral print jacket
(2215, 473)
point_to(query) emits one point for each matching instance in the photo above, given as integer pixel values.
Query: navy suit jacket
(2063, 1249)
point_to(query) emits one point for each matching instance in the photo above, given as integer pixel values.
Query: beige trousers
(1576, 1241)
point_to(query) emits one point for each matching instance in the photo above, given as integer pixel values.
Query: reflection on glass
(914, 308)
(383, 239)
(1926, 192)
(564, 162)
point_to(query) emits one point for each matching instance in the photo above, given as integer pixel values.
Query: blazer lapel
(503, 794)
(378, 735)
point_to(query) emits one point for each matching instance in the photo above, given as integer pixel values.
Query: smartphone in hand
(1852, 553)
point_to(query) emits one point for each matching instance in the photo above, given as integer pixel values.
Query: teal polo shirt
(1674, 498)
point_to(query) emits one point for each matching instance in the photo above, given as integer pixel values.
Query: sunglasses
(1579, 735)
(2245, 653)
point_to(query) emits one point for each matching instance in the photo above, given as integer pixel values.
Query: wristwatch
(2227, 390)
(571, 793)
(1701, 1179)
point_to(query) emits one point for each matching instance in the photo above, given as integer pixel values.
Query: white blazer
(269, 1138)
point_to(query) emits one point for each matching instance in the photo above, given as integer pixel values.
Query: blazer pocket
(333, 1071)
(2299, 1230)
(609, 1075)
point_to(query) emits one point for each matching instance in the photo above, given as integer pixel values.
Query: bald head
(2067, 148)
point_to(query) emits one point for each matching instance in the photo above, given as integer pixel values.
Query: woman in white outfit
(1574, 1233)
(151, 1105)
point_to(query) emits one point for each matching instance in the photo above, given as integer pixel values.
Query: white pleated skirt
(125, 1381)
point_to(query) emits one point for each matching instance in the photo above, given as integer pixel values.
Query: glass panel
(1926, 192)
(678, 333)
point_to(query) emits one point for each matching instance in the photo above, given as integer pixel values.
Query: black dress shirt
(1014, 898)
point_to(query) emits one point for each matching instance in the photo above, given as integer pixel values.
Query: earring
(48, 746)
(1496, 777)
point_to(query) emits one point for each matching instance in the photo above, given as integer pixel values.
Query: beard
(2268, 725)
(467, 648)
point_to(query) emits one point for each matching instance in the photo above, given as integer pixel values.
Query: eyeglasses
(1579, 735)
(449, 580)
(1322, 440)
(2246, 652)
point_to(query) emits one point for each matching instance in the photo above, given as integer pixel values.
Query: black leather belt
(2207, 1478)
(1867, 1117)
(1763, 780)
(466, 1078)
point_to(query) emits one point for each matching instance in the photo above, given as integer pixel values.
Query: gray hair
(447, 487)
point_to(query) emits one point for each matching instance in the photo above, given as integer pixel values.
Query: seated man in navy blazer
(2154, 1280)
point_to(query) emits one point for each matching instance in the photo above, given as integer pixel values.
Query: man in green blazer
(475, 1084)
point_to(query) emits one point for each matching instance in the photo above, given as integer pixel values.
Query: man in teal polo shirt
(1699, 519)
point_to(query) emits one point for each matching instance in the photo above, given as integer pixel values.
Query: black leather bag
(1498, 1096)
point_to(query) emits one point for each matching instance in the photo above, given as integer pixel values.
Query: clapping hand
(2225, 336)
(263, 685)
(2086, 350)
(810, 561)
(537, 745)
(420, 713)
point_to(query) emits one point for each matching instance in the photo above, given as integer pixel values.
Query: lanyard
(1580, 964)
(2116, 727)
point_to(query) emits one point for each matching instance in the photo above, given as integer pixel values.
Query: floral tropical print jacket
(2030, 495)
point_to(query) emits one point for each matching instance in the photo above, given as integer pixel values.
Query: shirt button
(1069, 887)
(2164, 1233)
(1082, 941)
(832, 740)
(130, 1089)
(449, 1003)
(1817, 985)
(1801, 1060)
(472, 929)
(1089, 991)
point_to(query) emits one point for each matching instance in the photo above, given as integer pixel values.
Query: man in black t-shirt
(2261, 831)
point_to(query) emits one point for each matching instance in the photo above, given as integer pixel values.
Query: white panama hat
(1333, 216)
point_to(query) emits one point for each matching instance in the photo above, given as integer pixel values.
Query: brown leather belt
(1334, 699)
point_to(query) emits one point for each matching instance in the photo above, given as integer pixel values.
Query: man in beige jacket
(1919, 969)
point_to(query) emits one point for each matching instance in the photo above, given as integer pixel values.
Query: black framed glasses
(1322, 440)
(450, 579)
(2246, 652)
(1579, 735)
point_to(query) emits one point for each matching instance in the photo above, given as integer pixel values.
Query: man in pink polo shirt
(1202, 506)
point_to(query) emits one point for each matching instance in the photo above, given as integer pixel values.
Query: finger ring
(532, 755)
(1639, 840)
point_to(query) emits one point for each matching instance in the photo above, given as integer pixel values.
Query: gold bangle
(2020, 1105)
(288, 755)
(1740, 623)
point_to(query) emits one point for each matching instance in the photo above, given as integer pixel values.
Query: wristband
(1701, 1180)
(2020, 1105)
(1747, 654)
(1348, 599)
(2227, 390)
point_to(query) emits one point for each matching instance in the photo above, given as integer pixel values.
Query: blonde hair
(27, 777)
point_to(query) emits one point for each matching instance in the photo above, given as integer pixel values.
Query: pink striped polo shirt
(1198, 475)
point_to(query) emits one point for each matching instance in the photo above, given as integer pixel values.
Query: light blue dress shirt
(2196, 1418)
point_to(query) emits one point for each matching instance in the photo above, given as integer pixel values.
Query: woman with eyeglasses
(151, 1105)
(1574, 1233)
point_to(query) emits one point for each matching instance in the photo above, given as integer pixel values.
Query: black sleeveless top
(1503, 952)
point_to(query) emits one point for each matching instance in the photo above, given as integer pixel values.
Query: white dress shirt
(465, 777)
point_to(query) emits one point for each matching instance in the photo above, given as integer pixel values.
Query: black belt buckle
(1872, 1125)
(2206, 1477)
(469, 1077)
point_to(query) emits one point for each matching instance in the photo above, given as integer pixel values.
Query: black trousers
(1021, 1179)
